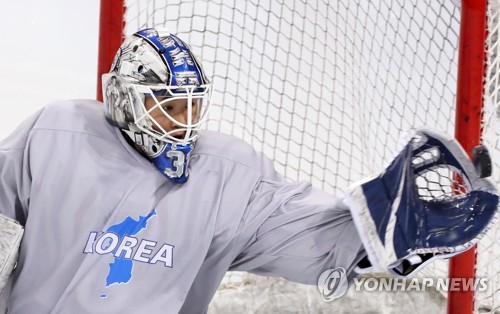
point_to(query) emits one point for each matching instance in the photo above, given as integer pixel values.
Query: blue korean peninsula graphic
(120, 270)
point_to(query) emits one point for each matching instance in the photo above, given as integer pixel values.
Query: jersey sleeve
(15, 180)
(296, 231)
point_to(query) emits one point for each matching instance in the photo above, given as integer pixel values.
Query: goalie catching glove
(428, 204)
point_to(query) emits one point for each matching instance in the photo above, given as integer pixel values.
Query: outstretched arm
(297, 232)
(428, 204)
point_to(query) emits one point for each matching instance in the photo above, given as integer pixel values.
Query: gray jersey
(106, 232)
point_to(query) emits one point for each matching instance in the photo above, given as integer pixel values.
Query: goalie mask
(158, 94)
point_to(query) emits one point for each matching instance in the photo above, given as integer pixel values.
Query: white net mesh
(325, 88)
(488, 261)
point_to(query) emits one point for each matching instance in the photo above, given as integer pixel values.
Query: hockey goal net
(325, 88)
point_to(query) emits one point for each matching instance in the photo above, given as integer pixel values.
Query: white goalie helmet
(153, 72)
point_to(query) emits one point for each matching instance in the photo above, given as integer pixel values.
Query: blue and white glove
(428, 204)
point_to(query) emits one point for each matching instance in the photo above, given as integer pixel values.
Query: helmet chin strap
(171, 159)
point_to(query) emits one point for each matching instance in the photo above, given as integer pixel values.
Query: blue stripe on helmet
(184, 69)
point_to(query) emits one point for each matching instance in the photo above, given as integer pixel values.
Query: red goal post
(111, 26)
(472, 75)
(472, 56)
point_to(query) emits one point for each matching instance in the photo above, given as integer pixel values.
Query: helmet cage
(198, 99)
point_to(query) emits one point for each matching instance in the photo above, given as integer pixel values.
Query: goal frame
(469, 103)
(470, 87)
